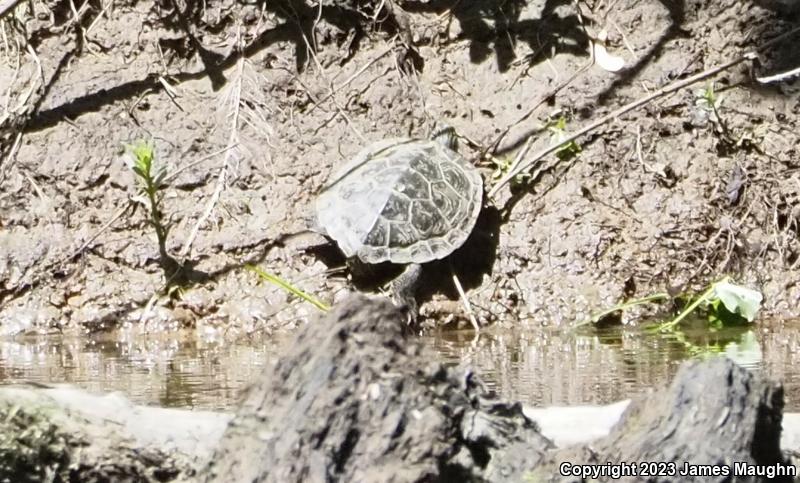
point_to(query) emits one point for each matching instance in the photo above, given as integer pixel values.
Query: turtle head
(445, 134)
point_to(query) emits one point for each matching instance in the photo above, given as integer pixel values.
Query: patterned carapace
(402, 201)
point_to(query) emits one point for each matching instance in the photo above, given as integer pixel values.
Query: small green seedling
(558, 132)
(275, 280)
(707, 99)
(502, 166)
(151, 184)
(151, 179)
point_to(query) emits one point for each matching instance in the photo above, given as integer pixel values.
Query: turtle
(407, 201)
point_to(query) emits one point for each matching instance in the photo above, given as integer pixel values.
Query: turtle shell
(402, 201)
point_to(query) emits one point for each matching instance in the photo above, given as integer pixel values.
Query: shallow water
(542, 368)
(554, 368)
(171, 370)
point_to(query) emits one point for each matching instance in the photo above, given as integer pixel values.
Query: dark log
(358, 400)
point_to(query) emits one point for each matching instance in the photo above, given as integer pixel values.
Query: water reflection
(549, 367)
(171, 370)
(542, 368)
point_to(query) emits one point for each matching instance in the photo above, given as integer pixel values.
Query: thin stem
(624, 306)
(691, 308)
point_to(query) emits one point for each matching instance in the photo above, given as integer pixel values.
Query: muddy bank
(675, 194)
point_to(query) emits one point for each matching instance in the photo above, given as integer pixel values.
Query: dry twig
(465, 302)
(234, 102)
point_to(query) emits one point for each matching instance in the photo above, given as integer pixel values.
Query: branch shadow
(677, 14)
(495, 26)
(490, 26)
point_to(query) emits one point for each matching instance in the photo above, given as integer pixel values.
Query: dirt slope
(661, 196)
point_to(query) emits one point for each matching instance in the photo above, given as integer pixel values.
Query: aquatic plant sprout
(737, 300)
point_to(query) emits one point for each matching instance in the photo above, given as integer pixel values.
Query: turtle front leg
(405, 289)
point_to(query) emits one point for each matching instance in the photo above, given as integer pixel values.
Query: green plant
(151, 184)
(275, 280)
(558, 132)
(621, 307)
(707, 99)
(503, 165)
(723, 302)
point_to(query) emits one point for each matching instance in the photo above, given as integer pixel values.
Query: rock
(566, 426)
(358, 400)
(715, 413)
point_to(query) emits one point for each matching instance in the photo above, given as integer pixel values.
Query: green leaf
(142, 154)
(739, 300)
(138, 170)
(158, 182)
(275, 280)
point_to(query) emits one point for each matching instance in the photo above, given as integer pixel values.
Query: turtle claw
(405, 288)
(411, 309)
